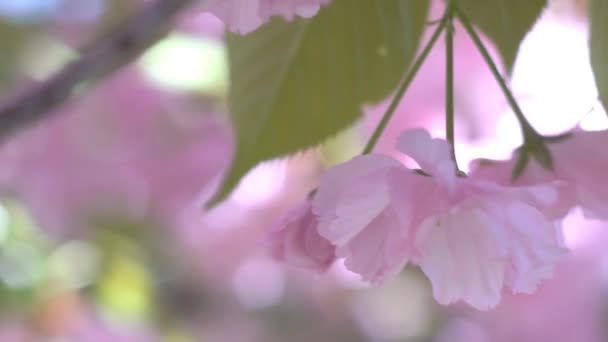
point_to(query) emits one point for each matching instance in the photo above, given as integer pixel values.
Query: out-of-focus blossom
(580, 160)
(295, 240)
(96, 329)
(15, 331)
(470, 237)
(244, 16)
(127, 150)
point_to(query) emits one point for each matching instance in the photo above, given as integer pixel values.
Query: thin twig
(527, 129)
(449, 80)
(405, 84)
(100, 59)
(534, 143)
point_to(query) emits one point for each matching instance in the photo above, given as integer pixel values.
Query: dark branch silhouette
(101, 58)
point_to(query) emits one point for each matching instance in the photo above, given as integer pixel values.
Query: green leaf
(599, 47)
(505, 22)
(295, 84)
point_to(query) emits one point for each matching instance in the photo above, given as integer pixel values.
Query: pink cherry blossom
(580, 161)
(470, 237)
(484, 243)
(295, 240)
(357, 204)
(244, 16)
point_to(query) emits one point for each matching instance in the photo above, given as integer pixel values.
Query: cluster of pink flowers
(471, 235)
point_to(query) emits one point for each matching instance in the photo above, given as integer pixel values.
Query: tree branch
(103, 57)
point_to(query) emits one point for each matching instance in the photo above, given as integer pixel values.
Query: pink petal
(358, 204)
(367, 253)
(238, 15)
(294, 239)
(493, 237)
(288, 9)
(580, 163)
(433, 155)
(535, 248)
(245, 16)
(351, 195)
(582, 160)
(462, 259)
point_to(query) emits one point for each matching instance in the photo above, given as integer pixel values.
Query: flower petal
(433, 155)
(534, 249)
(462, 259)
(351, 195)
(366, 254)
(245, 16)
(294, 239)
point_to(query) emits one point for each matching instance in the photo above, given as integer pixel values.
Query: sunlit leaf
(599, 47)
(506, 22)
(293, 85)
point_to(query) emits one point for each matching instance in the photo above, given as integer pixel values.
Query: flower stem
(407, 81)
(449, 79)
(529, 134)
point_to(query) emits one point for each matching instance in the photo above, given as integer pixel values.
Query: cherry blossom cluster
(472, 236)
